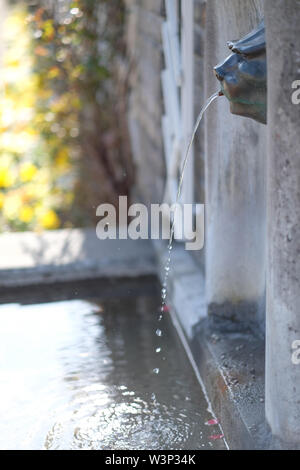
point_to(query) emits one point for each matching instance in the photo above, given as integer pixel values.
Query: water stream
(163, 307)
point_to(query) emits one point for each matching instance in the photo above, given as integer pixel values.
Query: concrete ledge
(97, 288)
(232, 367)
(66, 255)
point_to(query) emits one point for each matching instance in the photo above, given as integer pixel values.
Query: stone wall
(145, 101)
(283, 217)
(235, 175)
(146, 109)
(199, 96)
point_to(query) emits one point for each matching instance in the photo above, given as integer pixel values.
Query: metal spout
(243, 76)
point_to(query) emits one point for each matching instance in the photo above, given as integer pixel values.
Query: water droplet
(158, 332)
(156, 370)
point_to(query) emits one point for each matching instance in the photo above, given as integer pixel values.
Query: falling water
(163, 307)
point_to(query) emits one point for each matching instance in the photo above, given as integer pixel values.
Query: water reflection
(79, 375)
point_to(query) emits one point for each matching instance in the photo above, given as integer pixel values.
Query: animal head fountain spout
(243, 75)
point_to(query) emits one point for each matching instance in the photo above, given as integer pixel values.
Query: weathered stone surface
(283, 213)
(155, 6)
(235, 167)
(145, 102)
(150, 25)
(200, 12)
(199, 35)
(71, 254)
(145, 105)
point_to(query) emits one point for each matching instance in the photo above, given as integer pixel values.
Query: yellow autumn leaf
(26, 214)
(49, 220)
(77, 71)
(6, 177)
(12, 62)
(27, 172)
(53, 72)
(62, 157)
(48, 29)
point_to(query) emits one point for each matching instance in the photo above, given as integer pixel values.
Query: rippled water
(78, 374)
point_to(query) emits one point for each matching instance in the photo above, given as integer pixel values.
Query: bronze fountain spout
(243, 75)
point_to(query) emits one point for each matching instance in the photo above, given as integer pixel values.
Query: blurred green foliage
(57, 108)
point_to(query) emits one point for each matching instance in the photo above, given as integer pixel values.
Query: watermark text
(156, 222)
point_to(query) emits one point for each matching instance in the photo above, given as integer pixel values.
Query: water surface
(78, 374)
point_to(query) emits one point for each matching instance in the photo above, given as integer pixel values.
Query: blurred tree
(73, 89)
